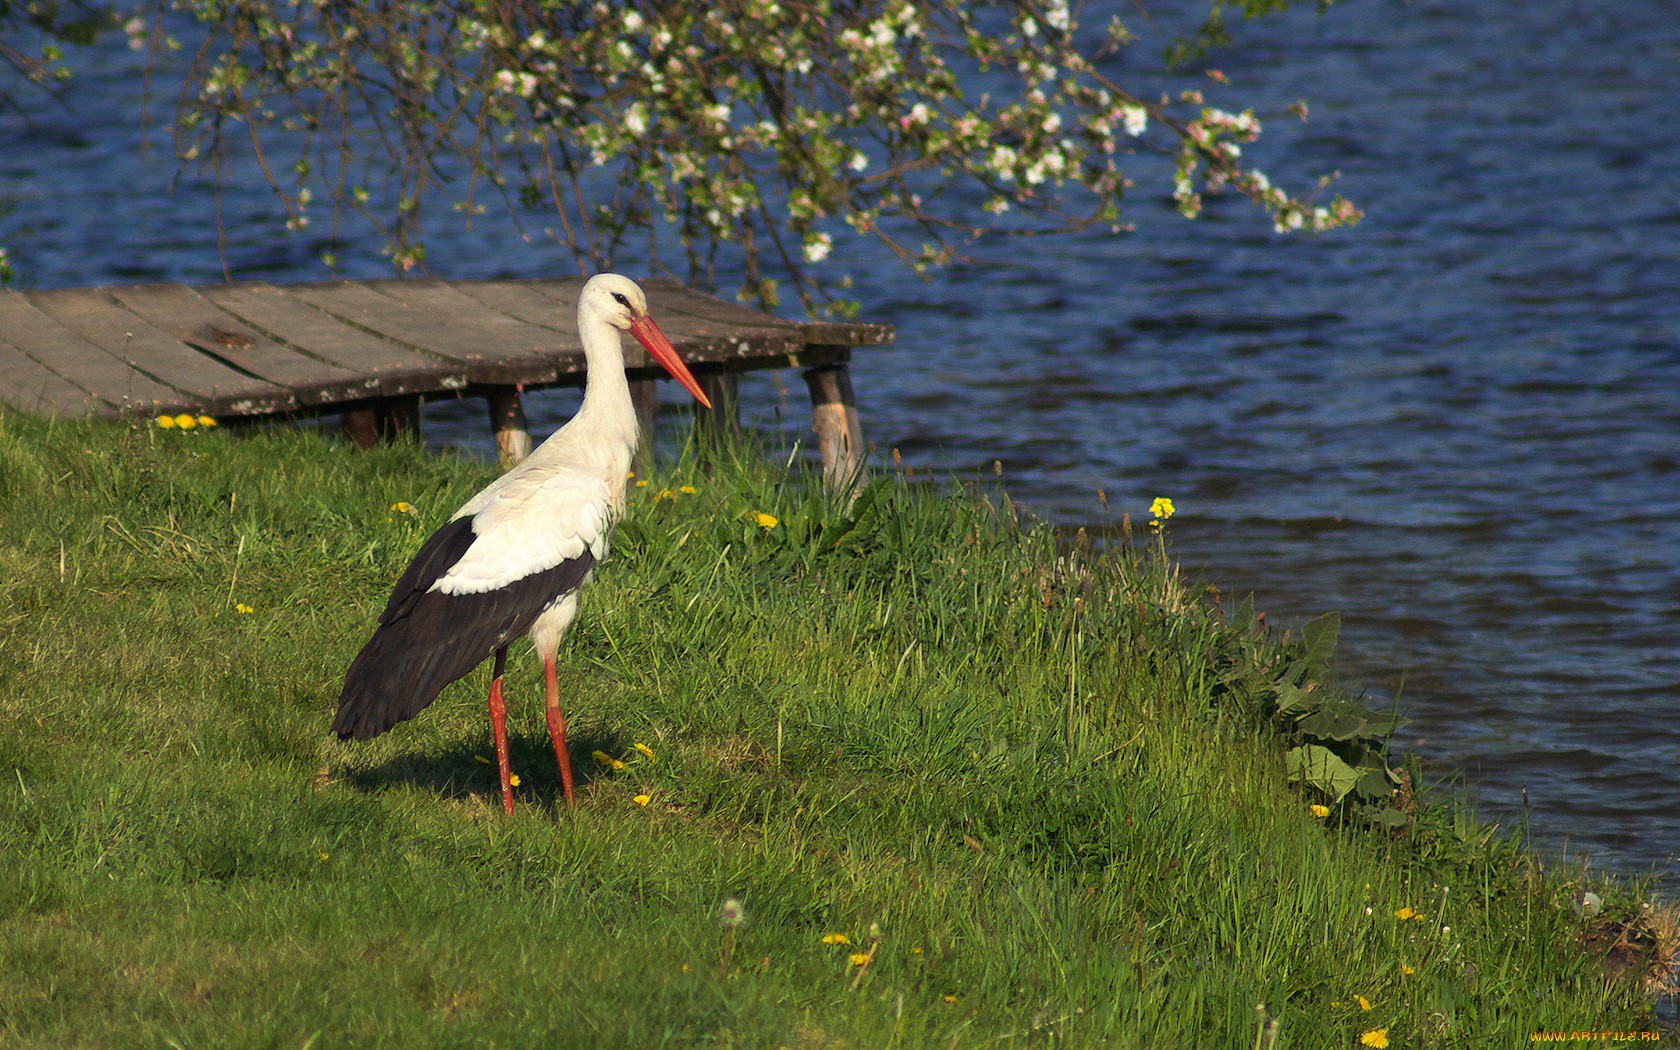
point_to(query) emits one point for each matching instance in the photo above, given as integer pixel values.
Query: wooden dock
(377, 350)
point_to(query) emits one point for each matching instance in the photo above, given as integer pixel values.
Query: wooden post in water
(723, 390)
(644, 394)
(388, 419)
(361, 426)
(398, 418)
(507, 423)
(834, 418)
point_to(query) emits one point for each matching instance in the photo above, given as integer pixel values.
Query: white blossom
(817, 246)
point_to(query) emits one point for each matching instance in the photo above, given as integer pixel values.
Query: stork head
(620, 303)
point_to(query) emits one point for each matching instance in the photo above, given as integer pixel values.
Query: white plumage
(511, 560)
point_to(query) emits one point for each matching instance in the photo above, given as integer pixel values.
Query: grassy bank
(1040, 799)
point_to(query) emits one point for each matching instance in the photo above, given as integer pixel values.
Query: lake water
(1458, 423)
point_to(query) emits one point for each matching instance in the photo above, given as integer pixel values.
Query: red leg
(557, 730)
(498, 727)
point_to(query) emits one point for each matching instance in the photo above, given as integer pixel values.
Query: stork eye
(620, 297)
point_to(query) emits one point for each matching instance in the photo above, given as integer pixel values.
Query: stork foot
(557, 730)
(498, 728)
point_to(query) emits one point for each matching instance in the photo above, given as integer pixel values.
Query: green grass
(1017, 783)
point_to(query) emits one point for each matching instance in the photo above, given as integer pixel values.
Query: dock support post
(723, 419)
(398, 418)
(834, 418)
(389, 419)
(644, 395)
(361, 426)
(507, 423)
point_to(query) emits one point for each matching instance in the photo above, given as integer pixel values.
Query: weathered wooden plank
(528, 351)
(499, 354)
(212, 386)
(698, 341)
(105, 376)
(191, 318)
(675, 295)
(386, 369)
(29, 386)
(553, 307)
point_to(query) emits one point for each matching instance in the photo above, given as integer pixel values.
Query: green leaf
(1319, 638)
(1321, 768)
(1291, 700)
(1374, 783)
(1390, 818)
(1241, 619)
(1326, 724)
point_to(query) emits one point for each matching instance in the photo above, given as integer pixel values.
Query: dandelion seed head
(732, 913)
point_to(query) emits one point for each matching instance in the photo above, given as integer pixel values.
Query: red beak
(660, 349)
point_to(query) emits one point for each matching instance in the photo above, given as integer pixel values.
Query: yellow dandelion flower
(185, 421)
(1161, 508)
(666, 494)
(642, 484)
(616, 764)
(836, 938)
(948, 997)
(765, 521)
(514, 780)
(645, 750)
(1408, 913)
(166, 422)
(321, 855)
(404, 507)
(687, 490)
(1376, 1037)
(242, 609)
(601, 757)
(1407, 970)
(642, 800)
(1364, 1003)
(1319, 811)
(207, 421)
(859, 958)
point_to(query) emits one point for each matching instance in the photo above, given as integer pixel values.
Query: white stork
(511, 560)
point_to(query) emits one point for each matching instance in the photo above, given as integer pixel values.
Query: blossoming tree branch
(743, 136)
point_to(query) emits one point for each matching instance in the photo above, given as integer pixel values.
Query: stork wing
(527, 524)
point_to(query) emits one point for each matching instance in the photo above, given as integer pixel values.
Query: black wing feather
(427, 639)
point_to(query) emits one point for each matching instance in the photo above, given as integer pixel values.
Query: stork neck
(606, 392)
